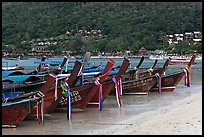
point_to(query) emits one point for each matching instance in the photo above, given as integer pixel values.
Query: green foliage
(123, 25)
(188, 47)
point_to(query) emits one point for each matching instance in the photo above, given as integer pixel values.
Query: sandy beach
(177, 113)
(182, 117)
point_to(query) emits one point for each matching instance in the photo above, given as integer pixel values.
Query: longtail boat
(12, 73)
(16, 109)
(135, 74)
(52, 90)
(31, 82)
(169, 82)
(131, 74)
(143, 83)
(108, 85)
(12, 68)
(49, 89)
(51, 97)
(53, 94)
(11, 94)
(26, 83)
(180, 61)
(43, 67)
(81, 95)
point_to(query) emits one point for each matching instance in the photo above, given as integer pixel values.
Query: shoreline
(182, 117)
(92, 57)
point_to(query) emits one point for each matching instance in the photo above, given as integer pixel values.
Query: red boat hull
(182, 63)
(16, 109)
(12, 115)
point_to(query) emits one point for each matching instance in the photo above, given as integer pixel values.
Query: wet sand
(179, 112)
(183, 117)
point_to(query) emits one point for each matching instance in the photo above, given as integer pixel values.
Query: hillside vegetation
(122, 25)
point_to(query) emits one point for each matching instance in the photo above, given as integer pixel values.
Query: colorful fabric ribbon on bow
(136, 74)
(69, 103)
(118, 90)
(66, 90)
(56, 81)
(37, 112)
(97, 83)
(187, 76)
(39, 109)
(159, 82)
(63, 87)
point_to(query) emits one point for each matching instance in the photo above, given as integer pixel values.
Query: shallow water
(90, 119)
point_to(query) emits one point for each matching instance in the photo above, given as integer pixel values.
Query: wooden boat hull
(109, 85)
(82, 95)
(51, 100)
(141, 86)
(169, 82)
(48, 90)
(135, 86)
(107, 88)
(16, 109)
(146, 80)
(132, 75)
(12, 115)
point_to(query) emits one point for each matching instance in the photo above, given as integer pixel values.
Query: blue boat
(23, 82)
(12, 94)
(12, 73)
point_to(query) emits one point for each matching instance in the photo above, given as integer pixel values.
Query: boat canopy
(22, 78)
(12, 73)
